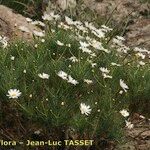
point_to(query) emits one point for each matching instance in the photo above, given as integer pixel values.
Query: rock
(143, 147)
(139, 33)
(128, 146)
(10, 23)
(118, 9)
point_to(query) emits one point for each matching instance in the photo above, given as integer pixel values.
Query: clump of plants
(74, 79)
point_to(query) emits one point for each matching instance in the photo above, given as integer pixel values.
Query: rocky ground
(135, 13)
(137, 138)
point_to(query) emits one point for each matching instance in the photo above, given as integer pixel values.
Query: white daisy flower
(106, 76)
(13, 93)
(72, 81)
(83, 44)
(82, 28)
(93, 65)
(35, 45)
(43, 75)
(99, 33)
(124, 113)
(129, 125)
(62, 75)
(53, 31)
(118, 42)
(64, 26)
(51, 16)
(142, 117)
(115, 64)
(120, 38)
(12, 58)
(77, 23)
(86, 50)
(141, 55)
(40, 23)
(69, 79)
(42, 40)
(123, 85)
(68, 45)
(56, 17)
(28, 19)
(105, 50)
(96, 45)
(47, 17)
(92, 55)
(62, 103)
(88, 81)
(85, 109)
(24, 71)
(104, 70)
(30, 95)
(120, 92)
(137, 49)
(141, 63)
(90, 26)
(69, 21)
(4, 41)
(79, 37)
(59, 43)
(39, 34)
(106, 28)
(73, 59)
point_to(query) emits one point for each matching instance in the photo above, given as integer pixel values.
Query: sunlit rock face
(15, 26)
